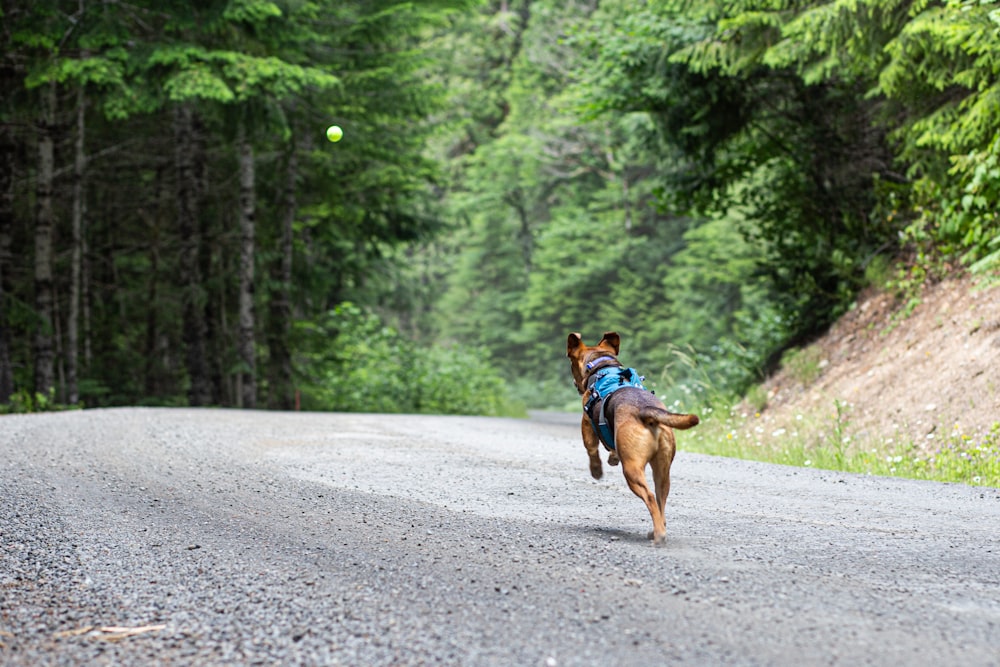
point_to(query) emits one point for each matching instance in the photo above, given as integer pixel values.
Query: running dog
(630, 421)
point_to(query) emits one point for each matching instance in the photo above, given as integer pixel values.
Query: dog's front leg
(593, 445)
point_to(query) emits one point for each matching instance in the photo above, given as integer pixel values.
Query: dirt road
(209, 537)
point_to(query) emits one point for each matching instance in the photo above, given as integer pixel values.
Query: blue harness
(604, 383)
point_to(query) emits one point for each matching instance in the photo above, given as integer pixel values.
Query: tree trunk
(281, 395)
(214, 262)
(199, 392)
(152, 325)
(212, 257)
(7, 162)
(44, 355)
(248, 386)
(154, 220)
(79, 210)
(85, 284)
(57, 341)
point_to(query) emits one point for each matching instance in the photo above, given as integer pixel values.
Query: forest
(716, 181)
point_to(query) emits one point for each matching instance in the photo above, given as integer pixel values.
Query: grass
(804, 365)
(961, 457)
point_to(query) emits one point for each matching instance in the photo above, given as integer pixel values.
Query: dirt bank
(919, 371)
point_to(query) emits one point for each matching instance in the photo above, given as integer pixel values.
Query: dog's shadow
(615, 534)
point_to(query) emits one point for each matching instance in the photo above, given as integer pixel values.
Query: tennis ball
(334, 133)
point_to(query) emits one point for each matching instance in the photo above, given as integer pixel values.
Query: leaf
(197, 83)
(251, 11)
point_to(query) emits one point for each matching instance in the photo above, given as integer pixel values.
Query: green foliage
(963, 223)
(753, 139)
(251, 12)
(714, 181)
(946, 55)
(279, 71)
(360, 365)
(570, 222)
(228, 76)
(931, 74)
(719, 373)
(721, 306)
(878, 272)
(24, 402)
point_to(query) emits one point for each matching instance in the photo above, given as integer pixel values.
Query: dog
(633, 424)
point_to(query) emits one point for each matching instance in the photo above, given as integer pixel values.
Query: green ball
(334, 133)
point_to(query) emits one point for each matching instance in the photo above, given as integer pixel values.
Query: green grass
(972, 459)
(804, 365)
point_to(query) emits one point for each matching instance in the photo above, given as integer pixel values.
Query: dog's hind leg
(661, 476)
(593, 446)
(635, 475)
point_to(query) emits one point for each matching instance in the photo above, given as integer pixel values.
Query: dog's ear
(612, 339)
(572, 342)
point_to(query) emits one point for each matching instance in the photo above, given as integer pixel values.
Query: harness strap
(604, 431)
(591, 365)
(599, 421)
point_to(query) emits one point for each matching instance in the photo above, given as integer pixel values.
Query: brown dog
(617, 408)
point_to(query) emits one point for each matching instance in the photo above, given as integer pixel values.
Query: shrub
(358, 364)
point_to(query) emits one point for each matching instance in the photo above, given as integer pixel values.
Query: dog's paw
(662, 541)
(613, 459)
(596, 469)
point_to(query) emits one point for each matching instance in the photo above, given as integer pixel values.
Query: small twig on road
(108, 633)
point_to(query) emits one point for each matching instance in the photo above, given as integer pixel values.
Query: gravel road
(214, 537)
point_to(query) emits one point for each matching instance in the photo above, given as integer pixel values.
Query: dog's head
(580, 355)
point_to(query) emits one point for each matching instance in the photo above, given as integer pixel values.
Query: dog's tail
(653, 417)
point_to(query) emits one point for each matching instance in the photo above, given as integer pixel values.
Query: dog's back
(649, 409)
